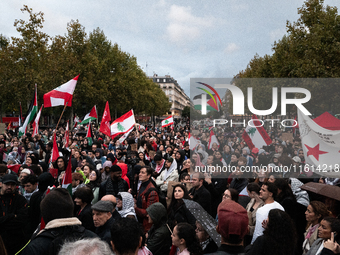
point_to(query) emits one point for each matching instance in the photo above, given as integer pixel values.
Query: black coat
(203, 197)
(85, 216)
(180, 213)
(13, 220)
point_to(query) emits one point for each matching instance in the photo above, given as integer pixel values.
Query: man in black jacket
(114, 184)
(199, 193)
(57, 212)
(13, 215)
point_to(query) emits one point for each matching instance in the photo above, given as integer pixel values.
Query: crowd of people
(132, 197)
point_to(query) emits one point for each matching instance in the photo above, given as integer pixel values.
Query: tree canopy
(106, 72)
(310, 49)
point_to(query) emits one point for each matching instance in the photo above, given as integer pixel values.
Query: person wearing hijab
(125, 205)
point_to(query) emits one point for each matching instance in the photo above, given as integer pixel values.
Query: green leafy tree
(311, 49)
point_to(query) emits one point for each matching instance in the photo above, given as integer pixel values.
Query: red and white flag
(105, 123)
(212, 140)
(167, 122)
(321, 147)
(123, 124)
(36, 123)
(76, 120)
(255, 135)
(61, 95)
(67, 134)
(193, 142)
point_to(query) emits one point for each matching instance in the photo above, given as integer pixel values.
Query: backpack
(60, 235)
(161, 196)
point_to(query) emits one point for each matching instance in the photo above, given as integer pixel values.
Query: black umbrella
(205, 219)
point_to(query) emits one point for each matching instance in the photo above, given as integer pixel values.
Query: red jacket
(146, 202)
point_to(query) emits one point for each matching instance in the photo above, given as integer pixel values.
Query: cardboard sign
(287, 136)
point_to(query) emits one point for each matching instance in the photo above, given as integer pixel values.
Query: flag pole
(61, 116)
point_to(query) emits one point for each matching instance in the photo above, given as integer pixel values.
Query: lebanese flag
(105, 123)
(321, 147)
(167, 122)
(213, 139)
(67, 134)
(67, 179)
(256, 135)
(192, 142)
(36, 122)
(92, 115)
(32, 110)
(61, 95)
(123, 124)
(55, 151)
(76, 120)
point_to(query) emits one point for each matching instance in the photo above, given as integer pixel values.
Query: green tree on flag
(166, 121)
(120, 127)
(251, 131)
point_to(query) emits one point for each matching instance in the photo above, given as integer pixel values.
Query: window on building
(164, 80)
(157, 80)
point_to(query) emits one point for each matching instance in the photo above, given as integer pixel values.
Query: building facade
(174, 92)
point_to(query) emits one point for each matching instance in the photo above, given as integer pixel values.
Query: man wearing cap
(232, 226)
(114, 184)
(13, 214)
(102, 219)
(115, 214)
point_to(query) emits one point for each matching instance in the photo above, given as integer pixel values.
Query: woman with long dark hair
(177, 211)
(279, 237)
(315, 212)
(325, 229)
(185, 239)
(94, 184)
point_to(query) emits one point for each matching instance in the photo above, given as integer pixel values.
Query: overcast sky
(185, 39)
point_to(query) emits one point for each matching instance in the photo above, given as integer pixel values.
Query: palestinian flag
(32, 110)
(167, 122)
(89, 135)
(67, 179)
(92, 115)
(123, 124)
(255, 135)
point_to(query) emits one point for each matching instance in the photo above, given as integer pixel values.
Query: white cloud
(184, 26)
(232, 47)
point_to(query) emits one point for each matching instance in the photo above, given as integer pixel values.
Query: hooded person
(105, 173)
(159, 236)
(180, 157)
(124, 168)
(169, 174)
(126, 205)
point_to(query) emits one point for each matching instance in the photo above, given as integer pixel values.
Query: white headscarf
(127, 205)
